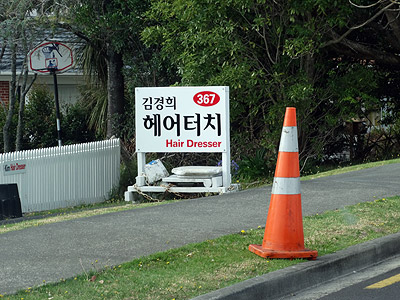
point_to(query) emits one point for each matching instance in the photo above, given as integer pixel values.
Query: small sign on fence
(14, 167)
(64, 176)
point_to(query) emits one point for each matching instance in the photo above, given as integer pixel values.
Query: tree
(371, 37)
(23, 91)
(15, 22)
(111, 28)
(270, 53)
(372, 33)
(40, 115)
(40, 131)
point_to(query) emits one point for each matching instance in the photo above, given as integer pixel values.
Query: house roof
(59, 35)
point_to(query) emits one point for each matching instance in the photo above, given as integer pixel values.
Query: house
(67, 82)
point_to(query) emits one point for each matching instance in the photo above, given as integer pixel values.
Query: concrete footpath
(65, 249)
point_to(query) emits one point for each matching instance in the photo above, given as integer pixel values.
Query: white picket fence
(63, 176)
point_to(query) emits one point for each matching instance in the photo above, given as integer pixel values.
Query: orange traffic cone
(283, 236)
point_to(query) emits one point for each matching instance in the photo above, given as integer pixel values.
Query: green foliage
(270, 55)
(116, 22)
(75, 128)
(40, 126)
(127, 178)
(259, 166)
(112, 29)
(94, 101)
(273, 55)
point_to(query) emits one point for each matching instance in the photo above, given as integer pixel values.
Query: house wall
(68, 91)
(4, 92)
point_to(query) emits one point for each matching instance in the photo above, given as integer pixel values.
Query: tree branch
(30, 84)
(78, 33)
(81, 35)
(2, 51)
(363, 52)
(365, 6)
(343, 36)
(394, 23)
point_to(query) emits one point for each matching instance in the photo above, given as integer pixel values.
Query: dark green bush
(258, 166)
(40, 119)
(40, 124)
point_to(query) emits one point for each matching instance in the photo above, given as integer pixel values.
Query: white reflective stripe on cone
(286, 186)
(289, 142)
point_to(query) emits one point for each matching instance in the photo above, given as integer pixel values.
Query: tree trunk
(21, 122)
(13, 98)
(115, 90)
(309, 68)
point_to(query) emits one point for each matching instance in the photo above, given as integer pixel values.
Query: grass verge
(65, 214)
(196, 269)
(341, 170)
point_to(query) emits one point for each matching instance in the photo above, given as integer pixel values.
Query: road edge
(305, 275)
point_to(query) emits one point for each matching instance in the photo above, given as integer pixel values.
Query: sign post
(51, 57)
(53, 72)
(183, 119)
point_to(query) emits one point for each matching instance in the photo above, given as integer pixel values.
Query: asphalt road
(65, 249)
(357, 285)
(363, 290)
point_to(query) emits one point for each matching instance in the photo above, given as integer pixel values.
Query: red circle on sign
(206, 98)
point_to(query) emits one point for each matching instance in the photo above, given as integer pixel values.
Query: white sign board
(14, 167)
(182, 119)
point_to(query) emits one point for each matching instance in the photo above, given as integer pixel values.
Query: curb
(305, 275)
